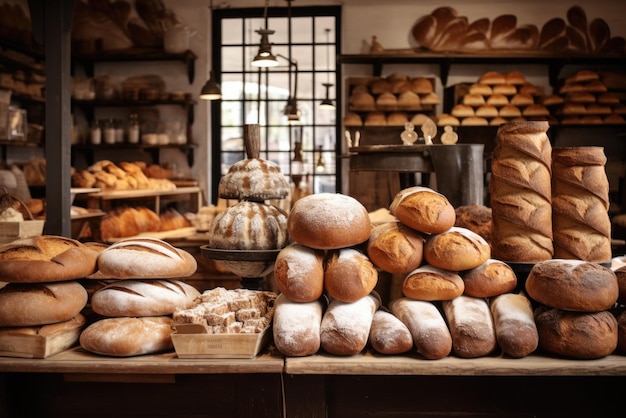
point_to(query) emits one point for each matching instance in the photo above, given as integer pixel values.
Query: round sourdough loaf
(395, 248)
(572, 285)
(46, 258)
(579, 335)
(491, 278)
(389, 335)
(516, 331)
(430, 332)
(423, 209)
(430, 284)
(28, 304)
(127, 336)
(456, 249)
(296, 326)
(145, 258)
(299, 273)
(349, 275)
(143, 297)
(328, 221)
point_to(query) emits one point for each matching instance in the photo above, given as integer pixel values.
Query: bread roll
(462, 111)
(572, 285)
(299, 273)
(389, 335)
(481, 89)
(408, 100)
(474, 100)
(143, 298)
(516, 331)
(446, 119)
(45, 258)
(296, 326)
(380, 86)
(491, 278)
(487, 111)
(349, 275)
(346, 327)
(474, 121)
(514, 77)
(476, 218)
(352, 119)
(429, 283)
(423, 209)
(145, 258)
(521, 99)
(492, 77)
(535, 110)
(431, 335)
(506, 89)
(32, 304)
(327, 221)
(395, 248)
(509, 111)
(125, 336)
(126, 222)
(471, 326)
(386, 101)
(456, 249)
(497, 100)
(578, 335)
(421, 85)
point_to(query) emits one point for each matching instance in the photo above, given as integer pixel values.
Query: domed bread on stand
(253, 178)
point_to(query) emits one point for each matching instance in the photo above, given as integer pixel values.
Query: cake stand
(251, 265)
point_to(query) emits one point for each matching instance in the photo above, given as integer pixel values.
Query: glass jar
(96, 133)
(133, 129)
(109, 131)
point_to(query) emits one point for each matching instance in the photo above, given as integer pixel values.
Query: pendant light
(211, 89)
(291, 109)
(264, 58)
(327, 103)
(320, 167)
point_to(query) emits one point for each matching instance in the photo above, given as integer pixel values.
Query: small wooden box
(40, 346)
(193, 341)
(10, 231)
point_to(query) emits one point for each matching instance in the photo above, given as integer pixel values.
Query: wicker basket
(11, 231)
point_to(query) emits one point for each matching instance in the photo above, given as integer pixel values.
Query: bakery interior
(472, 108)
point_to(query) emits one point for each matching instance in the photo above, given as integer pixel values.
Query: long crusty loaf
(145, 258)
(46, 258)
(143, 297)
(580, 203)
(471, 326)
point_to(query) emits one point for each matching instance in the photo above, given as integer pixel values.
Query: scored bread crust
(145, 258)
(423, 209)
(46, 258)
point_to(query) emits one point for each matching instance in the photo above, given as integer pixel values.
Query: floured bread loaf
(46, 258)
(299, 273)
(471, 326)
(521, 193)
(580, 204)
(423, 209)
(143, 297)
(389, 335)
(349, 275)
(456, 249)
(145, 258)
(296, 326)
(235, 311)
(254, 179)
(516, 331)
(395, 248)
(491, 278)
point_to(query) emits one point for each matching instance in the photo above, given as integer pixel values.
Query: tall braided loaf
(520, 190)
(580, 203)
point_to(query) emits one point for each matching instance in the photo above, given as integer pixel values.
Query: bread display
(46, 258)
(145, 258)
(299, 273)
(471, 326)
(430, 332)
(328, 221)
(296, 326)
(389, 335)
(456, 249)
(423, 209)
(491, 278)
(124, 222)
(349, 275)
(34, 304)
(521, 195)
(345, 327)
(395, 248)
(573, 285)
(108, 177)
(125, 337)
(429, 283)
(580, 204)
(577, 335)
(516, 331)
(143, 298)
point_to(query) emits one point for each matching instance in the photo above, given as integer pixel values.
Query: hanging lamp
(327, 103)
(211, 89)
(264, 57)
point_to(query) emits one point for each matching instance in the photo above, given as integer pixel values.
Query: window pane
(231, 31)
(232, 56)
(302, 30)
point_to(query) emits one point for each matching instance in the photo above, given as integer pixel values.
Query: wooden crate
(193, 341)
(10, 231)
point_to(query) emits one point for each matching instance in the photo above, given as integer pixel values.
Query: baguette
(471, 326)
(516, 331)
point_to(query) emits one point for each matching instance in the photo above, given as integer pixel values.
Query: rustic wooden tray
(192, 341)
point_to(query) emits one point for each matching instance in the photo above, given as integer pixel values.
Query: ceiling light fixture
(327, 103)
(264, 58)
(211, 89)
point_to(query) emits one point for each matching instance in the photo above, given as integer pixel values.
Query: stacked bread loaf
(136, 301)
(521, 195)
(251, 224)
(43, 295)
(390, 101)
(580, 203)
(108, 176)
(496, 98)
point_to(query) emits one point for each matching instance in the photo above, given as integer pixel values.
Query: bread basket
(11, 230)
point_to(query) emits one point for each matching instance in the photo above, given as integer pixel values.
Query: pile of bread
(496, 98)
(129, 221)
(390, 101)
(134, 288)
(457, 299)
(108, 176)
